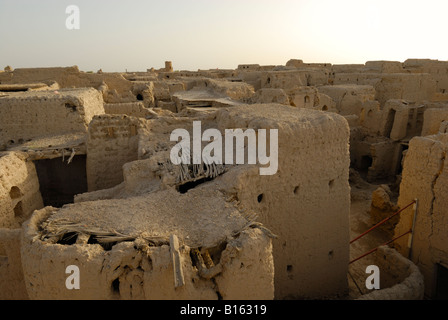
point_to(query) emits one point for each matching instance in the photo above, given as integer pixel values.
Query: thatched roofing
(199, 218)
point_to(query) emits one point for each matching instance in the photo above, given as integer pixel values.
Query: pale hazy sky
(204, 34)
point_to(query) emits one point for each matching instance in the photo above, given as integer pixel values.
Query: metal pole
(411, 236)
(382, 222)
(385, 244)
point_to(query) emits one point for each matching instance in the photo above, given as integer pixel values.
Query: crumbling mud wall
(235, 90)
(29, 115)
(12, 283)
(433, 119)
(383, 207)
(18, 87)
(425, 177)
(286, 80)
(125, 145)
(381, 136)
(134, 109)
(402, 120)
(383, 67)
(306, 203)
(400, 278)
(125, 249)
(349, 99)
(149, 167)
(415, 87)
(19, 197)
(69, 77)
(112, 141)
(437, 69)
(270, 95)
(19, 189)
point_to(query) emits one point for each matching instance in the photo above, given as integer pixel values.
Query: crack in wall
(433, 185)
(437, 176)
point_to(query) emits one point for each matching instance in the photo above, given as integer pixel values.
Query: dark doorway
(403, 148)
(60, 182)
(366, 163)
(441, 286)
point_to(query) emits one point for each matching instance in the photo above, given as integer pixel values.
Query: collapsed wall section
(305, 203)
(159, 246)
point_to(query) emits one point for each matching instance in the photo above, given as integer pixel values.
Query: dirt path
(361, 195)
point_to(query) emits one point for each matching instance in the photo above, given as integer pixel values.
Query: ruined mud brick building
(428, 184)
(86, 180)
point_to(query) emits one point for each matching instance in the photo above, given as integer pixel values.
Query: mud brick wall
(112, 141)
(19, 190)
(427, 183)
(29, 115)
(306, 203)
